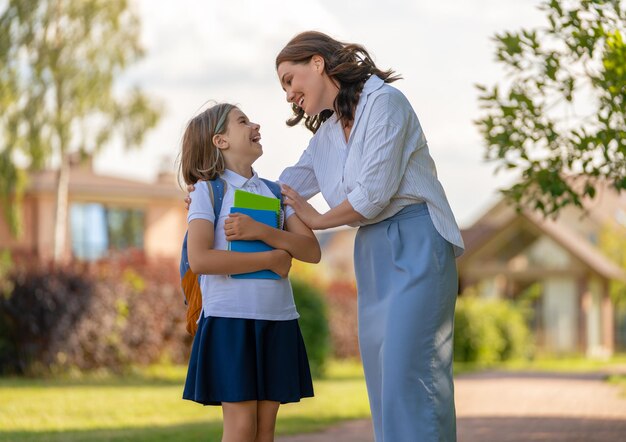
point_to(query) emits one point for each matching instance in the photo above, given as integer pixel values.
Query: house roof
(83, 181)
(578, 247)
(600, 210)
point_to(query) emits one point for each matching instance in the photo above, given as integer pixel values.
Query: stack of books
(263, 209)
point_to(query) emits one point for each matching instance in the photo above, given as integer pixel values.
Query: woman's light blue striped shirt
(384, 167)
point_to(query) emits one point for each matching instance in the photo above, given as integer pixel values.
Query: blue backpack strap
(275, 188)
(184, 261)
(217, 185)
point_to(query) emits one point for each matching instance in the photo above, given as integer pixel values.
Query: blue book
(266, 217)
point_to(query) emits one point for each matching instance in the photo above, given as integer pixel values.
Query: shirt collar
(372, 84)
(238, 181)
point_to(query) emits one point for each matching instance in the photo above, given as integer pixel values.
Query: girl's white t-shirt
(228, 297)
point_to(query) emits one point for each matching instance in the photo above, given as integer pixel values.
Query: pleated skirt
(234, 360)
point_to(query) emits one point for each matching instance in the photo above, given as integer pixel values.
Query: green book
(247, 200)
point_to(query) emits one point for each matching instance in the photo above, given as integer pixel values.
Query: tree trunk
(60, 219)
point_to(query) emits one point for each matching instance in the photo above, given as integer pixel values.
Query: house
(106, 215)
(558, 264)
(509, 253)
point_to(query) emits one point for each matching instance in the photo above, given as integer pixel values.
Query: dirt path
(520, 407)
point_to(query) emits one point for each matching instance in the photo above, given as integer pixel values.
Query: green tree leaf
(59, 60)
(533, 122)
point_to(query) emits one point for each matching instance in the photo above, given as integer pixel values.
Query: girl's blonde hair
(200, 159)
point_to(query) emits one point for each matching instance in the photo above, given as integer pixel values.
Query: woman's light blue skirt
(407, 286)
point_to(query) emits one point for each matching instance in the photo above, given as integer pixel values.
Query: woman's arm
(298, 239)
(203, 259)
(301, 176)
(340, 215)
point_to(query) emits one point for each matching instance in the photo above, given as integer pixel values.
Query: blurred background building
(107, 216)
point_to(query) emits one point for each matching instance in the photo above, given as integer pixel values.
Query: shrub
(313, 323)
(342, 302)
(488, 331)
(109, 315)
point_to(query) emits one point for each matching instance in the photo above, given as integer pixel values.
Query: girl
(248, 354)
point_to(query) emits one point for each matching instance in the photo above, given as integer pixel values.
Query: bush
(110, 315)
(313, 323)
(342, 302)
(488, 331)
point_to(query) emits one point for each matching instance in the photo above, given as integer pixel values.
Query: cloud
(191, 43)
(224, 50)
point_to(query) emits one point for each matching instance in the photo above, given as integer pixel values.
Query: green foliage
(58, 64)
(489, 331)
(533, 123)
(612, 242)
(314, 324)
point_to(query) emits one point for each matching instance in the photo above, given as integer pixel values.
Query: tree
(560, 118)
(58, 63)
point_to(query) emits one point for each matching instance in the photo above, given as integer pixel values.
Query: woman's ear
(318, 63)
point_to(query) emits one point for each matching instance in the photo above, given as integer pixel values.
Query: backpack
(189, 281)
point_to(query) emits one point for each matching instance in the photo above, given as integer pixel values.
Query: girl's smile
(241, 134)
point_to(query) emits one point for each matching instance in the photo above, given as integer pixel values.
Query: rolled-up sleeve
(383, 164)
(301, 176)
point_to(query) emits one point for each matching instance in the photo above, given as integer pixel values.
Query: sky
(197, 51)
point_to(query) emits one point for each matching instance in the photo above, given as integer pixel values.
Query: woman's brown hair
(200, 159)
(348, 64)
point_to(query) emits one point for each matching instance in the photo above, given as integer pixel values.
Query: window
(97, 230)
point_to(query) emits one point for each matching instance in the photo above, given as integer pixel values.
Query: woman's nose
(290, 96)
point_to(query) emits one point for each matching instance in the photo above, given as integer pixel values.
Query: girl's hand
(241, 227)
(190, 188)
(303, 209)
(280, 262)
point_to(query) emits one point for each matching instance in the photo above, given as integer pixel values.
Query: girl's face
(307, 85)
(241, 141)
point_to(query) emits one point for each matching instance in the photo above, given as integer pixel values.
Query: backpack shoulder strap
(217, 190)
(275, 188)
(190, 282)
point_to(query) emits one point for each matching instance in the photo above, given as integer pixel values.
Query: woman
(369, 158)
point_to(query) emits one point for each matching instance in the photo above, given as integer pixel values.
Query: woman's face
(307, 85)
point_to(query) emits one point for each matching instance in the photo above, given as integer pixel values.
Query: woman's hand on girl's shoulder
(190, 188)
(305, 211)
(280, 262)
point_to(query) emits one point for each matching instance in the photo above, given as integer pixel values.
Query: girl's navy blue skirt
(234, 360)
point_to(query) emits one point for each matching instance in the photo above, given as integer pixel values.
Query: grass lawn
(147, 406)
(619, 380)
(565, 364)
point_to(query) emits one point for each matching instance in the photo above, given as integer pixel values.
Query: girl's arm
(298, 239)
(203, 259)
